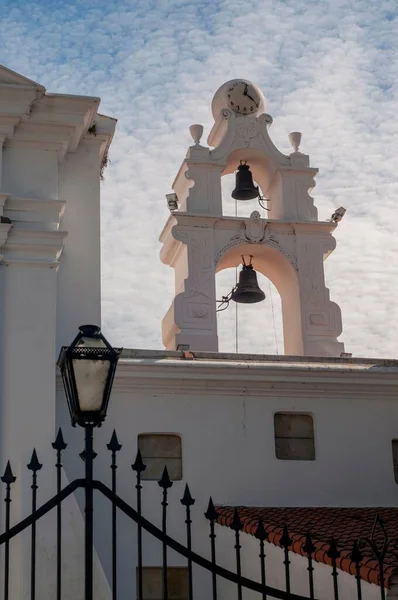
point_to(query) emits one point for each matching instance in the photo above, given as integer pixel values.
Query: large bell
(247, 291)
(244, 186)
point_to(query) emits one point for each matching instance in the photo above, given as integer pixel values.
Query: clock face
(243, 98)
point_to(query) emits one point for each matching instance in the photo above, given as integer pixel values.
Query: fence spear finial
(211, 513)
(8, 476)
(165, 481)
(114, 445)
(187, 499)
(138, 464)
(236, 523)
(34, 464)
(285, 540)
(308, 547)
(59, 443)
(261, 534)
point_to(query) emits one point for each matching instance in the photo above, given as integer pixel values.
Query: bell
(244, 186)
(247, 291)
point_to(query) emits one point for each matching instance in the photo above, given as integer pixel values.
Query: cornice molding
(223, 222)
(244, 378)
(5, 228)
(51, 121)
(75, 112)
(16, 100)
(33, 248)
(33, 213)
(171, 245)
(7, 125)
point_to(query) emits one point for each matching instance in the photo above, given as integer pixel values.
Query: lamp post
(88, 367)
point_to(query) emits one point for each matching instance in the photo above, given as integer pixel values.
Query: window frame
(180, 458)
(279, 437)
(146, 568)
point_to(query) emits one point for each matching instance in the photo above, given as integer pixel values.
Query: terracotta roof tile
(344, 525)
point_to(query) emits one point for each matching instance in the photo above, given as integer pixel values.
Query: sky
(328, 68)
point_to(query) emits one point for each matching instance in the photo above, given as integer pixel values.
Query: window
(294, 436)
(177, 583)
(159, 450)
(394, 444)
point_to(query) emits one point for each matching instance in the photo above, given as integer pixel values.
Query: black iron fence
(216, 572)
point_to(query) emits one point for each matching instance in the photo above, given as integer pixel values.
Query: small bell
(244, 186)
(247, 290)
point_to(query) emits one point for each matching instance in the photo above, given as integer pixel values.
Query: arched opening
(273, 265)
(249, 328)
(263, 171)
(238, 208)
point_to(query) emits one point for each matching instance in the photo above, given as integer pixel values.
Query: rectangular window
(152, 583)
(159, 450)
(294, 436)
(394, 444)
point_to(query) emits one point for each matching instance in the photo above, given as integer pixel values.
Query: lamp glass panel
(91, 377)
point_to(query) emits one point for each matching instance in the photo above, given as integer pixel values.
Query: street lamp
(88, 367)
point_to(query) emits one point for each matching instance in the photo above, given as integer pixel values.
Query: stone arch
(274, 265)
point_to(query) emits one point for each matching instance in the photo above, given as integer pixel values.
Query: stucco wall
(228, 450)
(46, 155)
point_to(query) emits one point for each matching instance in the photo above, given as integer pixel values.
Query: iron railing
(211, 565)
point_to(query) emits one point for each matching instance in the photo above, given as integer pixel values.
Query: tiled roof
(344, 525)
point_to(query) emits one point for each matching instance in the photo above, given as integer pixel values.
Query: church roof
(284, 360)
(7, 76)
(345, 525)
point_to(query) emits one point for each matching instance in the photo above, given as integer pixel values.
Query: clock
(243, 98)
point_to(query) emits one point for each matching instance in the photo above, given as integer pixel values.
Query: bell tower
(289, 247)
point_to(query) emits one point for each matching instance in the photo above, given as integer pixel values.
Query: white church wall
(38, 131)
(228, 446)
(351, 430)
(79, 276)
(27, 388)
(30, 171)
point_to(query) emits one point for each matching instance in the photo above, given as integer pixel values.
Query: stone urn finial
(295, 140)
(196, 132)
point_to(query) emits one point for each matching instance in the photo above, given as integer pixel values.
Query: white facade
(222, 406)
(50, 168)
(223, 409)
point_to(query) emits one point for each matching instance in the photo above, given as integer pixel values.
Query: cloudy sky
(329, 68)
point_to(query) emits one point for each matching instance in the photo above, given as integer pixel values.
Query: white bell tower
(289, 248)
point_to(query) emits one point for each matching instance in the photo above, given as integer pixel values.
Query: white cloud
(328, 69)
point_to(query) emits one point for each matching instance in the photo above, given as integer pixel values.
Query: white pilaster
(79, 281)
(191, 318)
(28, 308)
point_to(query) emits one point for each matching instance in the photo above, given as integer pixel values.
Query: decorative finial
(295, 140)
(196, 132)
